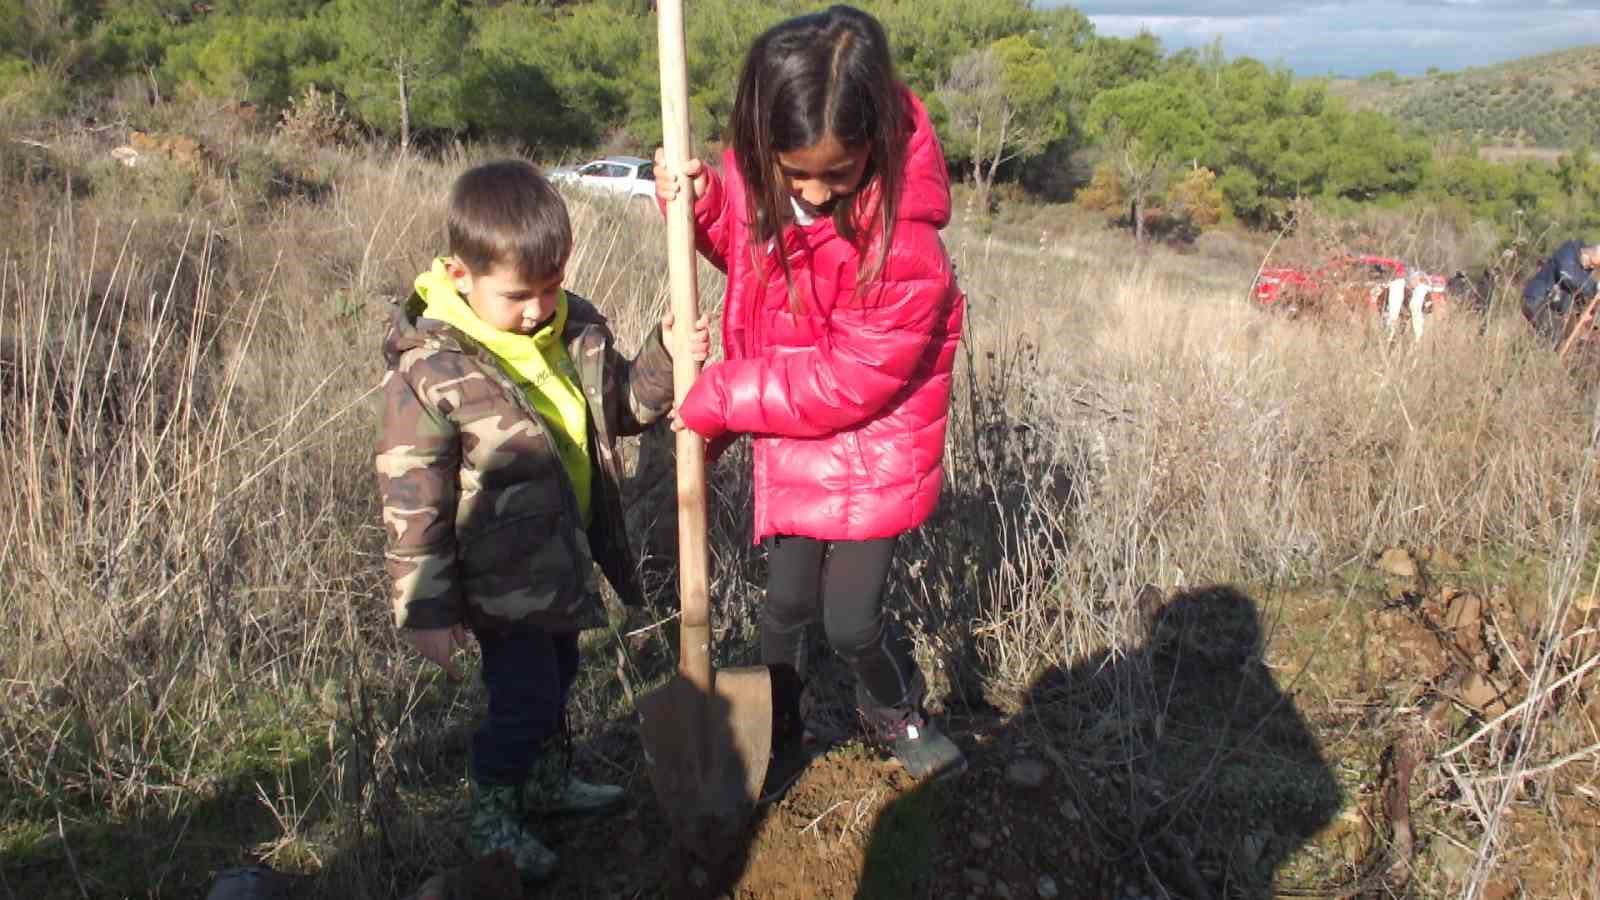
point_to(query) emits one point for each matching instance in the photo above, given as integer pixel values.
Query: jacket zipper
(569, 494)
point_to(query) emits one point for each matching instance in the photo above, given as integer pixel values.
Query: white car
(627, 176)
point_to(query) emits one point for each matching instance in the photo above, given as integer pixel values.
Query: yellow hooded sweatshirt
(538, 363)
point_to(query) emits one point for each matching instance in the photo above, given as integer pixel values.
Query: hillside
(1551, 100)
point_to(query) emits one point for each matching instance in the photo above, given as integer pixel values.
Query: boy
(502, 402)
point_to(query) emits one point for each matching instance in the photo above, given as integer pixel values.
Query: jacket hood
(925, 190)
(411, 328)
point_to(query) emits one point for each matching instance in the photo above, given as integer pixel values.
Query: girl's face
(818, 175)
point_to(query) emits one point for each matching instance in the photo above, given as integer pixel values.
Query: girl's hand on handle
(668, 184)
(437, 644)
(699, 339)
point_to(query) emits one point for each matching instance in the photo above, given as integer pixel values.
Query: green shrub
(155, 187)
(28, 95)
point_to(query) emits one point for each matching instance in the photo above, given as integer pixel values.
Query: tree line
(1016, 91)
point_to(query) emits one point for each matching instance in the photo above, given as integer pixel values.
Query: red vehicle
(1356, 279)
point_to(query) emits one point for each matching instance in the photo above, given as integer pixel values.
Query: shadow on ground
(1179, 769)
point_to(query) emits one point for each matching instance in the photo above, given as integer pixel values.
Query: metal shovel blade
(708, 755)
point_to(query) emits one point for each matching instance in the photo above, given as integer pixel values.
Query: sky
(1358, 38)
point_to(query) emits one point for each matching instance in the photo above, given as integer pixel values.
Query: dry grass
(198, 661)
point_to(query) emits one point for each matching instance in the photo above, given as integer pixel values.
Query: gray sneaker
(552, 789)
(924, 750)
(497, 825)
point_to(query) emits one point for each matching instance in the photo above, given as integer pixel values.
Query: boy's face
(504, 299)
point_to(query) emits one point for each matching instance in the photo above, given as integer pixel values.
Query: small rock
(1500, 890)
(976, 877)
(1478, 692)
(981, 841)
(1443, 559)
(1069, 811)
(1397, 562)
(1466, 611)
(1027, 773)
(492, 877)
(249, 883)
(1002, 890)
(1047, 887)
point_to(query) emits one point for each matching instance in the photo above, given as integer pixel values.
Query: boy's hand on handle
(437, 644)
(668, 184)
(699, 348)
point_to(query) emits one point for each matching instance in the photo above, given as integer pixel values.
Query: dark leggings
(527, 672)
(840, 582)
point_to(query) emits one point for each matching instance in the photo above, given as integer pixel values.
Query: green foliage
(29, 93)
(1150, 125)
(1001, 103)
(581, 74)
(399, 61)
(928, 37)
(1546, 101)
(1277, 140)
(131, 40)
(1545, 203)
(719, 36)
(263, 60)
(552, 77)
(42, 32)
(1148, 128)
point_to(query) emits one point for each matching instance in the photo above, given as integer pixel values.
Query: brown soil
(1295, 760)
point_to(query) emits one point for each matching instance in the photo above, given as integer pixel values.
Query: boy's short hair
(506, 214)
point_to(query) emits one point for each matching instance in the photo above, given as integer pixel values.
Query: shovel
(707, 735)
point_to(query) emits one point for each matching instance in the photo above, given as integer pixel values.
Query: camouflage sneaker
(925, 752)
(552, 789)
(497, 825)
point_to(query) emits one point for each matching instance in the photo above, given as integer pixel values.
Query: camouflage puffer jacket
(482, 523)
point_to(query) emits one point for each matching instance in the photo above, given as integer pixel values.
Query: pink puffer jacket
(848, 398)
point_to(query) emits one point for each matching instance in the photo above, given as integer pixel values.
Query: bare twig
(1543, 769)
(813, 823)
(1537, 697)
(72, 859)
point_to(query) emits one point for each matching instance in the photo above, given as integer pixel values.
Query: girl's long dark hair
(828, 73)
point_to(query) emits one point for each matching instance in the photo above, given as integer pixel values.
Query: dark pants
(527, 672)
(842, 583)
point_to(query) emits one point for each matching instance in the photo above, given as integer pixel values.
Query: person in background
(1420, 285)
(1567, 276)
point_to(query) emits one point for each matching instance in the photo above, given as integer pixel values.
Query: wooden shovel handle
(694, 641)
(1577, 325)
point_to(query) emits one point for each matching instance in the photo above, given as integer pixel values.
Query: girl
(839, 328)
